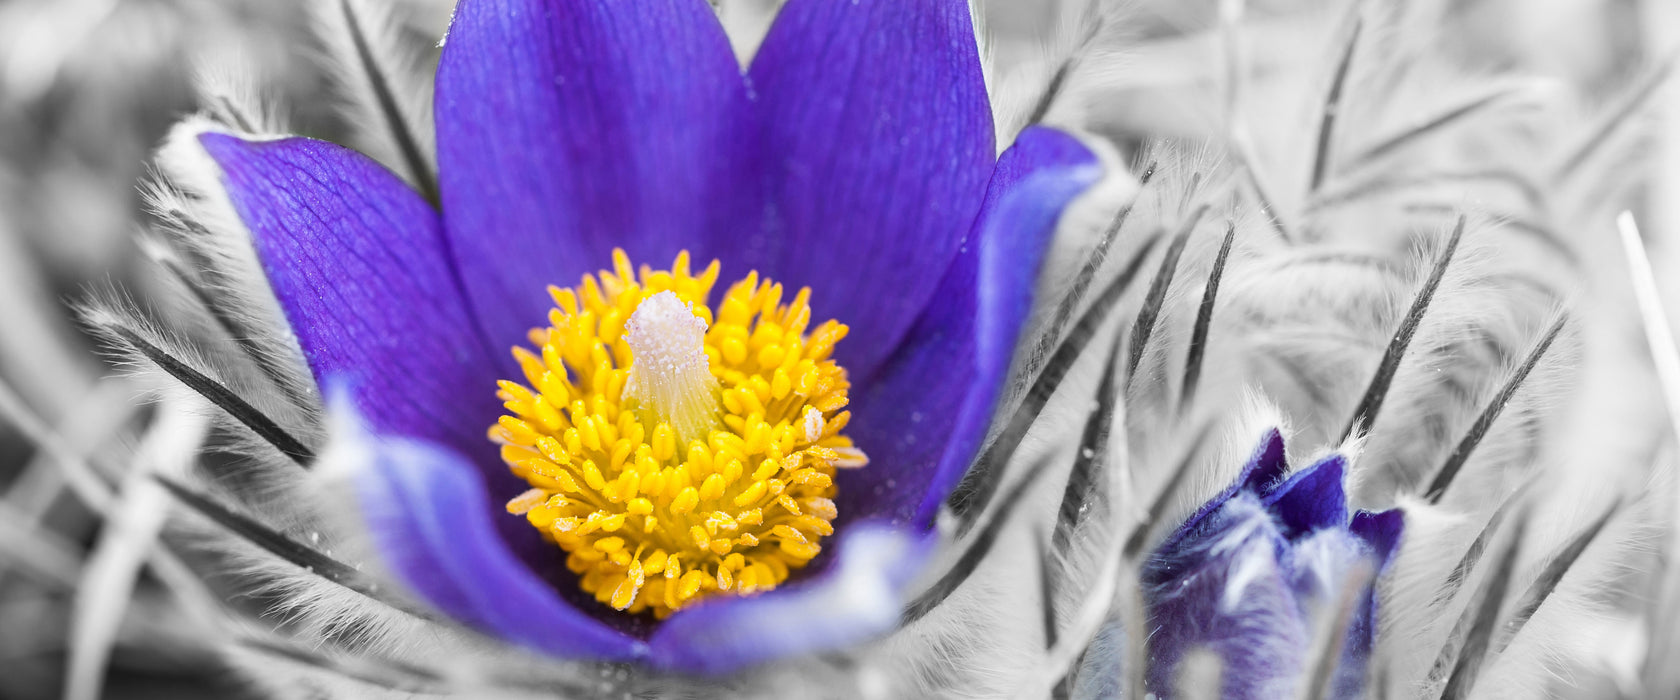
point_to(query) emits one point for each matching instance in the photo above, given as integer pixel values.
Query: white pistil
(670, 377)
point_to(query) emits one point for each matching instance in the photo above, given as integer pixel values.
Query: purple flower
(855, 157)
(1245, 575)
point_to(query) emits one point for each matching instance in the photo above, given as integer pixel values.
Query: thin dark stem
(1467, 446)
(1153, 302)
(1204, 319)
(1366, 414)
(406, 141)
(1332, 108)
(224, 398)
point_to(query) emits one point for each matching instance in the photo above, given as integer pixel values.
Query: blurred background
(88, 89)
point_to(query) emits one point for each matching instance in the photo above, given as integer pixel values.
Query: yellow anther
(812, 523)
(648, 420)
(655, 563)
(691, 583)
(734, 351)
(568, 484)
(664, 442)
(822, 508)
(627, 484)
(766, 469)
(625, 592)
(517, 431)
(787, 502)
(550, 448)
(523, 503)
(751, 495)
(592, 476)
(849, 458)
(748, 580)
(780, 384)
(621, 452)
(712, 488)
(543, 517)
(788, 533)
(813, 423)
(700, 456)
(811, 477)
(684, 502)
(800, 551)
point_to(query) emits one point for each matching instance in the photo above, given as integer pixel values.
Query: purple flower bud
(1250, 574)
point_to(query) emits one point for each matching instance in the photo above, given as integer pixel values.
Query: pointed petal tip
(1267, 466)
(1382, 531)
(1311, 499)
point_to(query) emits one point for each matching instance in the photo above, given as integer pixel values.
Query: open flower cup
(856, 157)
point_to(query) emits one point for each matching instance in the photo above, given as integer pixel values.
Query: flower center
(676, 452)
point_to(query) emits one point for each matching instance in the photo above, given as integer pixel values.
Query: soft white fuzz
(670, 375)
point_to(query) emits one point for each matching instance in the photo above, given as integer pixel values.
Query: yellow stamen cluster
(654, 518)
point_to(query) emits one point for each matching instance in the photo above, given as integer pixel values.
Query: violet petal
(877, 140)
(1227, 592)
(1264, 468)
(569, 127)
(357, 261)
(424, 506)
